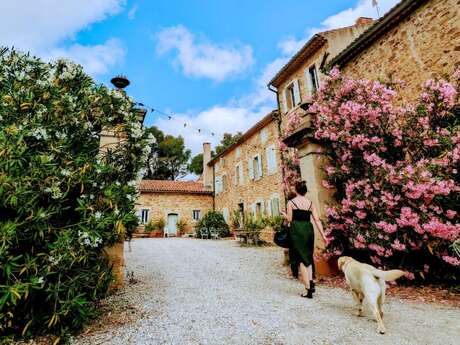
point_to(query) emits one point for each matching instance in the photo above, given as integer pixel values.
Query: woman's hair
(301, 188)
(291, 195)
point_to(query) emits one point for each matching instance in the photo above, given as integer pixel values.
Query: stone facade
(248, 174)
(182, 204)
(423, 45)
(297, 75)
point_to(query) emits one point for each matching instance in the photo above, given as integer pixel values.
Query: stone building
(298, 80)
(415, 41)
(247, 175)
(174, 202)
(295, 84)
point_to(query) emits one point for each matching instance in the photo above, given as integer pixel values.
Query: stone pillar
(311, 162)
(110, 139)
(208, 179)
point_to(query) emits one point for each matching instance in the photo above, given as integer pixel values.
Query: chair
(214, 233)
(204, 233)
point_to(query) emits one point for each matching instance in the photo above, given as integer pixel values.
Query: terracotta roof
(258, 126)
(396, 15)
(166, 186)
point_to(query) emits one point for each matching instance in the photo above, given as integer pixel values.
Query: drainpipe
(274, 90)
(213, 188)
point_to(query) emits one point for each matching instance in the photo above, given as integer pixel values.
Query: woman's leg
(305, 277)
(310, 272)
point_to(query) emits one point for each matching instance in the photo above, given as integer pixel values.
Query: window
(238, 152)
(312, 80)
(263, 135)
(275, 206)
(225, 214)
(258, 209)
(196, 214)
(218, 184)
(270, 152)
(292, 95)
(238, 177)
(144, 216)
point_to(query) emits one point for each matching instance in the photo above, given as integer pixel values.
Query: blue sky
(205, 61)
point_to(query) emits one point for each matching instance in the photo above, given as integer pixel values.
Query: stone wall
(424, 45)
(182, 204)
(249, 191)
(337, 40)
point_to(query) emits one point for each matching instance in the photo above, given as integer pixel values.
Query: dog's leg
(376, 311)
(359, 301)
(380, 302)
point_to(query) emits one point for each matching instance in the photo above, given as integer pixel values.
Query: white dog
(367, 284)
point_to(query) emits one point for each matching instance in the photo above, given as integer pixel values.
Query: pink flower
(396, 245)
(451, 214)
(451, 260)
(360, 214)
(387, 227)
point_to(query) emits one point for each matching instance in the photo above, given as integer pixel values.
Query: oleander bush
(215, 220)
(394, 171)
(61, 202)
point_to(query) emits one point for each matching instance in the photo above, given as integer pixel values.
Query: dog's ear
(341, 262)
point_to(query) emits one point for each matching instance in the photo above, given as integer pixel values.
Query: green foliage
(196, 164)
(227, 141)
(277, 223)
(167, 158)
(214, 220)
(157, 224)
(237, 219)
(61, 201)
(182, 225)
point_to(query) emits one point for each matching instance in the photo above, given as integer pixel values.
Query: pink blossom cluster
(393, 169)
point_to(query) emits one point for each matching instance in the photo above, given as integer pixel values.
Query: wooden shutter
(285, 104)
(308, 83)
(251, 168)
(259, 167)
(297, 99)
(240, 173)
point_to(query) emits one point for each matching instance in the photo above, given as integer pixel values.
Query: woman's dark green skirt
(302, 242)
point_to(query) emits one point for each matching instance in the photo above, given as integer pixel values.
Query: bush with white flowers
(61, 201)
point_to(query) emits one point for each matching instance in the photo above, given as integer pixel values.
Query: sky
(206, 62)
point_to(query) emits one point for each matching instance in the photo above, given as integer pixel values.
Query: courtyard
(191, 291)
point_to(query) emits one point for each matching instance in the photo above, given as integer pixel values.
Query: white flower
(41, 280)
(117, 183)
(53, 260)
(132, 183)
(65, 172)
(98, 215)
(91, 196)
(117, 212)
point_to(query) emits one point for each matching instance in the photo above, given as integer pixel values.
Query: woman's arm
(317, 222)
(289, 212)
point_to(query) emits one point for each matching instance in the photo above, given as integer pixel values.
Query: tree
(227, 141)
(196, 164)
(61, 199)
(173, 157)
(167, 158)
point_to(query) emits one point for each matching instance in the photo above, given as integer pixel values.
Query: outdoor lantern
(120, 81)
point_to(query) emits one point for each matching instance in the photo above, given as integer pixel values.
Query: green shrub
(160, 224)
(150, 226)
(182, 225)
(214, 220)
(61, 201)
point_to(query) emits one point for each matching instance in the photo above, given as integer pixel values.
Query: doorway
(172, 224)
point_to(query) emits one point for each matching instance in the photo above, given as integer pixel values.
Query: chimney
(207, 170)
(364, 21)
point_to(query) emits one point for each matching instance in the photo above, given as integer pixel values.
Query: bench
(245, 236)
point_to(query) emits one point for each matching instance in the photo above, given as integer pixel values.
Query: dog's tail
(389, 275)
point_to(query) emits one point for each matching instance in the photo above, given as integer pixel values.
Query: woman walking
(300, 212)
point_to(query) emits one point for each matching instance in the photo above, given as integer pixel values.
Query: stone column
(311, 162)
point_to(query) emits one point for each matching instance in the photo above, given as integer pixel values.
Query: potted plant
(149, 228)
(182, 227)
(159, 227)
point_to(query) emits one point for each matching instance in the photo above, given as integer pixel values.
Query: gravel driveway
(214, 292)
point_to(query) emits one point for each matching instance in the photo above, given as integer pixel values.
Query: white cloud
(96, 59)
(218, 119)
(207, 60)
(132, 12)
(43, 26)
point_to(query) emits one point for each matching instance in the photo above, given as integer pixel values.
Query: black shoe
(312, 286)
(309, 294)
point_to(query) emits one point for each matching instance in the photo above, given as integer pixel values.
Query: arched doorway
(171, 227)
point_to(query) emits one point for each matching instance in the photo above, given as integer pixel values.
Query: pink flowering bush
(394, 172)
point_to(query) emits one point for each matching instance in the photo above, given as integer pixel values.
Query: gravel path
(214, 292)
